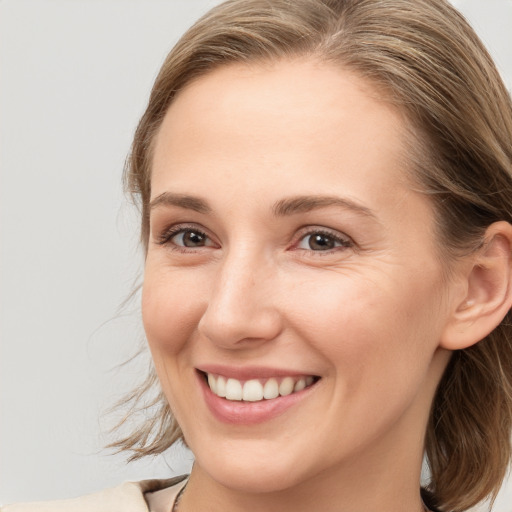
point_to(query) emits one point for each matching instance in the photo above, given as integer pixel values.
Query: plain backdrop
(74, 79)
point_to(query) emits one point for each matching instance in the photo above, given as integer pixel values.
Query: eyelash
(344, 241)
(165, 238)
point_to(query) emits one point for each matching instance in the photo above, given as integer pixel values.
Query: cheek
(367, 325)
(172, 305)
(378, 340)
(170, 317)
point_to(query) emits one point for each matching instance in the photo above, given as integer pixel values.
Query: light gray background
(75, 76)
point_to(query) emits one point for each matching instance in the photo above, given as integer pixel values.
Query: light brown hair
(434, 69)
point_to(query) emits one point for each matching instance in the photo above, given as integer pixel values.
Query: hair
(431, 65)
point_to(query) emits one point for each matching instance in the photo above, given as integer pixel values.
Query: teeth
(221, 386)
(233, 389)
(255, 390)
(212, 383)
(286, 386)
(300, 385)
(270, 389)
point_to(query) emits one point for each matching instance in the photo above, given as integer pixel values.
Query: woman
(324, 189)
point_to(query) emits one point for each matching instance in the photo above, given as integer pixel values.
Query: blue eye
(321, 241)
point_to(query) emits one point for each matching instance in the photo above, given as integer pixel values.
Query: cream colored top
(144, 496)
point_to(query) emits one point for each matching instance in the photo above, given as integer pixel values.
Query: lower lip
(249, 413)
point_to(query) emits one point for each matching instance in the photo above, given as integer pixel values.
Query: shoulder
(127, 497)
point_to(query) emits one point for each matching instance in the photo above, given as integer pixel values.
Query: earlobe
(488, 295)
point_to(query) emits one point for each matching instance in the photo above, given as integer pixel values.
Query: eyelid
(345, 240)
(166, 235)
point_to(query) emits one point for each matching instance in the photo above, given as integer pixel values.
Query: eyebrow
(303, 204)
(181, 200)
(282, 208)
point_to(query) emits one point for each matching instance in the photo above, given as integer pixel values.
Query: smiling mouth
(255, 390)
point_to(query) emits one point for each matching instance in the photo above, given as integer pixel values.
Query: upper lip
(250, 372)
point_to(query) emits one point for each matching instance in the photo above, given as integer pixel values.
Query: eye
(190, 238)
(322, 241)
(185, 237)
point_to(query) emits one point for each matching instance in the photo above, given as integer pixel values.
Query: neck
(388, 483)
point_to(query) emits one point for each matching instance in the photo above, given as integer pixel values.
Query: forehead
(284, 120)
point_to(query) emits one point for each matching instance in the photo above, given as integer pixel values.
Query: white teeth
(255, 390)
(212, 383)
(221, 387)
(300, 385)
(286, 386)
(233, 389)
(271, 389)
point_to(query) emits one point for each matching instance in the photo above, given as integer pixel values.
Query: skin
(368, 316)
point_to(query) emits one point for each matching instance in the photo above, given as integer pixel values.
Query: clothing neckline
(161, 494)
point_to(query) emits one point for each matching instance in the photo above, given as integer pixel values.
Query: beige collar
(161, 494)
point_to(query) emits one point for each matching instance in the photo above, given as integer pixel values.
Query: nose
(241, 308)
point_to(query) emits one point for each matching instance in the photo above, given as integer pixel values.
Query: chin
(249, 480)
(262, 471)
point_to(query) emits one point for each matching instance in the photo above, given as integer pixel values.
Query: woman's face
(288, 250)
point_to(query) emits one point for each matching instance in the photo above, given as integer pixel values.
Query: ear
(487, 284)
